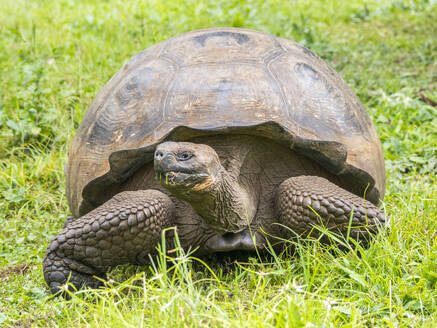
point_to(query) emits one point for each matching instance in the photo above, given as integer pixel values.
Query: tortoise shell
(222, 80)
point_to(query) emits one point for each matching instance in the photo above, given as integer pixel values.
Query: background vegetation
(56, 55)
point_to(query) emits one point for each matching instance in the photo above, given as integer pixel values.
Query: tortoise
(232, 136)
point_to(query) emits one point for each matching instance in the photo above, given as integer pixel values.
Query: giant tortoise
(232, 136)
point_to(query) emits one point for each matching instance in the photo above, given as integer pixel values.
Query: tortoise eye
(185, 156)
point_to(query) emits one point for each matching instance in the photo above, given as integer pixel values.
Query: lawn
(54, 58)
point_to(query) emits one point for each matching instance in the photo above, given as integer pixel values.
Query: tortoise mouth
(176, 178)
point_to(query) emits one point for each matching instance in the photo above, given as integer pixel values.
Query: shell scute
(220, 45)
(209, 95)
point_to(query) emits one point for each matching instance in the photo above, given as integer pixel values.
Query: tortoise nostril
(159, 154)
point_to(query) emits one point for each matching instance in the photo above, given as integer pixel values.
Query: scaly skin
(123, 230)
(333, 204)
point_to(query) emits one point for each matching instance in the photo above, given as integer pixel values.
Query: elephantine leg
(300, 197)
(123, 230)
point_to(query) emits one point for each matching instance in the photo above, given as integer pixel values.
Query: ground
(56, 55)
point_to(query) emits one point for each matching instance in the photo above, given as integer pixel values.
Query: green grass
(56, 55)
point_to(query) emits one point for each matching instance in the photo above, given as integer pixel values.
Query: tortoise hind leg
(332, 203)
(123, 230)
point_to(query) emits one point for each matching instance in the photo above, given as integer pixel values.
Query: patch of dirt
(427, 100)
(16, 269)
(20, 324)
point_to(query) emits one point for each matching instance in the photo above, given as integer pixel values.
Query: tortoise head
(186, 168)
(193, 172)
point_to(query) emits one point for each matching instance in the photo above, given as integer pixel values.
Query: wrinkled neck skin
(222, 202)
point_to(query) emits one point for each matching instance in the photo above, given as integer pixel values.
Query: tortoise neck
(226, 206)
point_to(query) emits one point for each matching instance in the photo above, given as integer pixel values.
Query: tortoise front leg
(69, 219)
(123, 230)
(332, 203)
